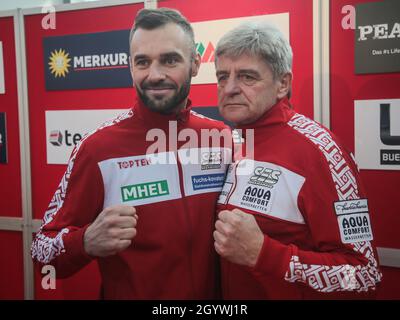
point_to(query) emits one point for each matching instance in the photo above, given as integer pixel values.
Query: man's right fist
(111, 232)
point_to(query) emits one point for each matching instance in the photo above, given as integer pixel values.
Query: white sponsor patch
(269, 189)
(204, 169)
(353, 220)
(65, 128)
(140, 179)
(228, 185)
(351, 206)
(377, 134)
(209, 32)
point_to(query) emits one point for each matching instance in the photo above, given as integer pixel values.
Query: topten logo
(56, 138)
(59, 62)
(134, 163)
(265, 177)
(207, 54)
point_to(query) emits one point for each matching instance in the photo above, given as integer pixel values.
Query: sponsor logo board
(377, 134)
(100, 60)
(204, 169)
(87, 61)
(263, 191)
(65, 128)
(141, 179)
(353, 220)
(377, 37)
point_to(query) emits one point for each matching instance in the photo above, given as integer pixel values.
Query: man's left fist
(238, 238)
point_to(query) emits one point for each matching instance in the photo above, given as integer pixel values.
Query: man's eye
(170, 61)
(247, 79)
(141, 63)
(222, 79)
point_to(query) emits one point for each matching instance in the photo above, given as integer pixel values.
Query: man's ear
(196, 64)
(285, 84)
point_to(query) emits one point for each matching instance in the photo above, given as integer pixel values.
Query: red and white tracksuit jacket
(172, 255)
(304, 190)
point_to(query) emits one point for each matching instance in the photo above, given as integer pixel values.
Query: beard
(164, 105)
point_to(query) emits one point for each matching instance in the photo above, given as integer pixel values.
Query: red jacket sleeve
(333, 264)
(75, 204)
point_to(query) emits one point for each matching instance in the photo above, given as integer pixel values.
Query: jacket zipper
(187, 217)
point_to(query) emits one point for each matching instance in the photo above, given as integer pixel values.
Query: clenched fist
(238, 238)
(111, 232)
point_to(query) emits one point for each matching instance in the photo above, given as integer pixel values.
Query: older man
(297, 225)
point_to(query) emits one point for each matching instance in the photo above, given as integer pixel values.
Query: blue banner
(208, 181)
(87, 61)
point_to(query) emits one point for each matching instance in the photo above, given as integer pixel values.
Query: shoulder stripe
(341, 173)
(325, 278)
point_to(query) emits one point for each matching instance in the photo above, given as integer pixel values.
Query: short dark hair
(150, 19)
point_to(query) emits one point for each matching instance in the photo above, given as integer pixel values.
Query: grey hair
(150, 19)
(258, 39)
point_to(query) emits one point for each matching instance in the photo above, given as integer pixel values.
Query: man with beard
(145, 216)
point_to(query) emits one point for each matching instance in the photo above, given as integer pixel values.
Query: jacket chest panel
(151, 178)
(265, 188)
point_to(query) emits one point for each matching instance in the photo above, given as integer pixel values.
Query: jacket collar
(279, 113)
(156, 119)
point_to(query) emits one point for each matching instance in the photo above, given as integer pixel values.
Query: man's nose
(156, 73)
(232, 86)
